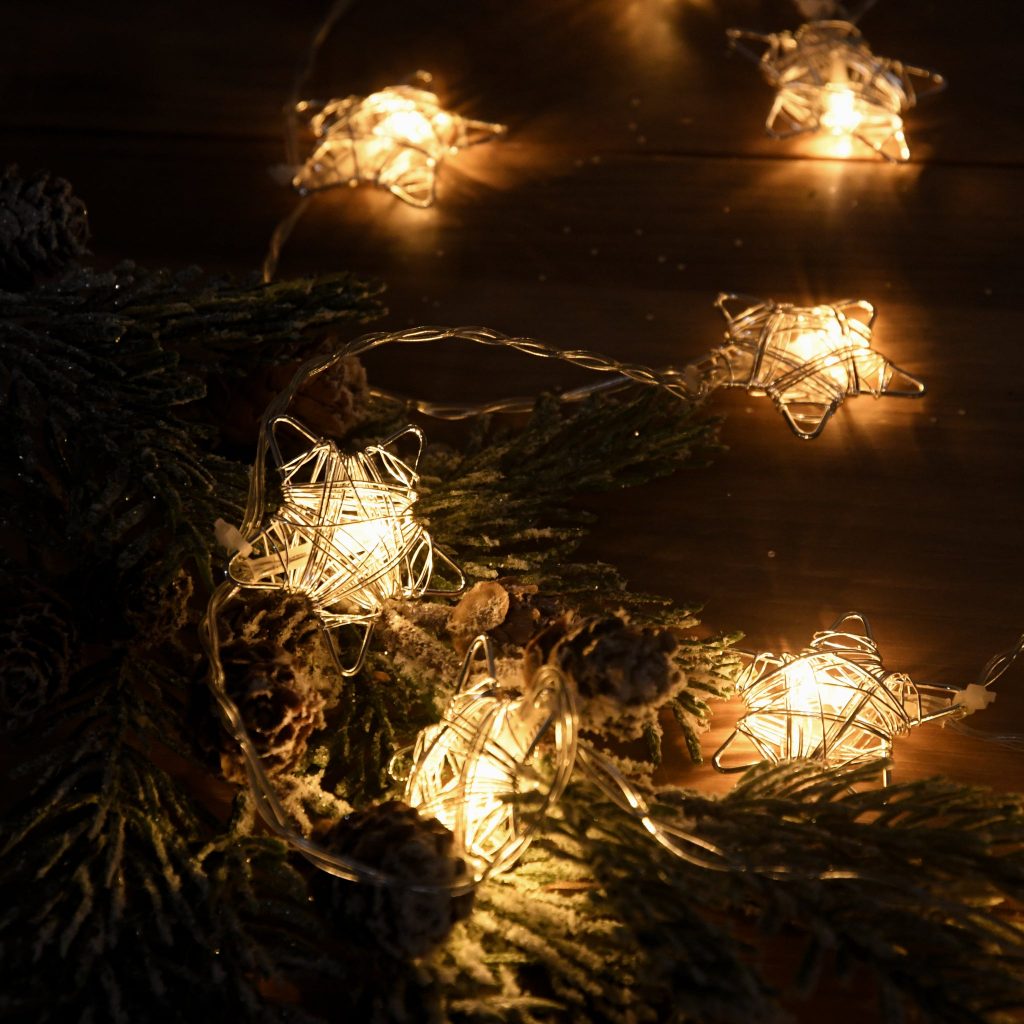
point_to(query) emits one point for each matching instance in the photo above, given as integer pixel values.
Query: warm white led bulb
(492, 747)
(344, 534)
(807, 359)
(834, 702)
(827, 80)
(396, 138)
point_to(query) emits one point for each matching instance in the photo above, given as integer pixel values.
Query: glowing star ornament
(827, 80)
(397, 139)
(807, 359)
(344, 534)
(497, 760)
(834, 702)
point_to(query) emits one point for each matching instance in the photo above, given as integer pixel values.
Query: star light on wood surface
(827, 80)
(344, 534)
(807, 359)
(396, 138)
(834, 702)
(496, 761)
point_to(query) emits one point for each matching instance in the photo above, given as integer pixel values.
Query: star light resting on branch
(497, 760)
(827, 80)
(835, 702)
(397, 139)
(344, 534)
(807, 359)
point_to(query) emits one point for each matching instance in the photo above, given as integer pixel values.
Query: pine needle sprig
(507, 502)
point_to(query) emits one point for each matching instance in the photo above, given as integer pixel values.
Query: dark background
(635, 183)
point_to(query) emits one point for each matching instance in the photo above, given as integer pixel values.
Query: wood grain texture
(635, 184)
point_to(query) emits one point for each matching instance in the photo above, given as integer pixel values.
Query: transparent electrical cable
(994, 669)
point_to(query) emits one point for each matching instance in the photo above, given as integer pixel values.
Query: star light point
(807, 359)
(835, 702)
(344, 534)
(396, 138)
(827, 80)
(472, 770)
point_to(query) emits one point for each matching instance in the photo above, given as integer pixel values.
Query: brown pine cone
(38, 640)
(622, 673)
(330, 405)
(43, 227)
(284, 623)
(393, 837)
(280, 707)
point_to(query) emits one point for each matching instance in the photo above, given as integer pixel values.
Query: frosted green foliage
(599, 923)
(507, 502)
(102, 376)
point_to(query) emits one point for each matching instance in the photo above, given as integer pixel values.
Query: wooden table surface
(635, 183)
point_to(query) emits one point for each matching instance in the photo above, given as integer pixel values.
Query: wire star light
(396, 138)
(806, 359)
(492, 747)
(344, 534)
(834, 702)
(827, 80)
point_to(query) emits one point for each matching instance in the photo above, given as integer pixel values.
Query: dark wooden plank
(636, 76)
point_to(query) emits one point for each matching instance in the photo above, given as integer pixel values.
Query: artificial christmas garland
(136, 881)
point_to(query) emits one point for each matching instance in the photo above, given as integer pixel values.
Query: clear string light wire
(993, 671)
(826, 79)
(836, 703)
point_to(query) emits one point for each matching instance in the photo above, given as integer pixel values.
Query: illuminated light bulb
(345, 534)
(496, 761)
(396, 138)
(806, 359)
(827, 79)
(834, 702)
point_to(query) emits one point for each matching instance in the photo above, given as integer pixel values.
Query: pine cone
(331, 404)
(622, 673)
(394, 838)
(280, 707)
(37, 640)
(276, 619)
(43, 227)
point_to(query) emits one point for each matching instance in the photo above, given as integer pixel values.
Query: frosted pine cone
(280, 707)
(394, 838)
(43, 227)
(283, 621)
(622, 673)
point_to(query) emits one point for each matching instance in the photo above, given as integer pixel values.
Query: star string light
(807, 359)
(827, 80)
(836, 703)
(397, 139)
(344, 534)
(493, 747)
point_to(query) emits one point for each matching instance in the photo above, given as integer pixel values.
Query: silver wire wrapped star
(344, 534)
(807, 359)
(835, 702)
(826, 79)
(473, 769)
(396, 138)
